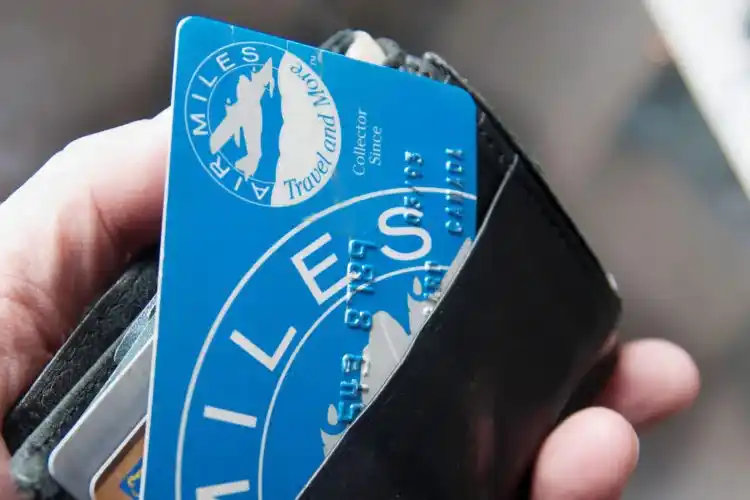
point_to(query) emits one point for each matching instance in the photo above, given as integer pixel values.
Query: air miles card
(314, 204)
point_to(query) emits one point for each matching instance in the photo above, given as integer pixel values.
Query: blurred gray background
(583, 83)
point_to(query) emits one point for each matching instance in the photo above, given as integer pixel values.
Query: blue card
(314, 205)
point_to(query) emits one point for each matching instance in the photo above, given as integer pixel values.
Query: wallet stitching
(490, 143)
(428, 70)
(560, 231)
(501, 149)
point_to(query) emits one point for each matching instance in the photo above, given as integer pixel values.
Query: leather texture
(76, 374)
(520, 339)
(101, 326)
(29, 463)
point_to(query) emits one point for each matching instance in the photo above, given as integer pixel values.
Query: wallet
(522, 337)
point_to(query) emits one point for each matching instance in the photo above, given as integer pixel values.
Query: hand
(592, 454)
(69, 231)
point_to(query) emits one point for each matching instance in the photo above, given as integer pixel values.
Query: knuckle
(76, 145)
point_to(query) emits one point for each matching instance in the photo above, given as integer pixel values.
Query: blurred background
(590, 87)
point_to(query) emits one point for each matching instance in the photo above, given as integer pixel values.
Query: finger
(653, 380)
(590, 456)
(67, 232)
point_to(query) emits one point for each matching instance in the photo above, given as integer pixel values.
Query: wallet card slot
(29, 463)
(489, 373)
(101, 327)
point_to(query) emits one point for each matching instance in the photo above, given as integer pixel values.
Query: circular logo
(263, 124)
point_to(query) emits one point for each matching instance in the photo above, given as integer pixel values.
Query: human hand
(69, 231)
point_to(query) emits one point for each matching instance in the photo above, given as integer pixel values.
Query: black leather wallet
(521, 338)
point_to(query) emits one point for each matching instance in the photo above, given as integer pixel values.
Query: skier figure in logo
(246, 114)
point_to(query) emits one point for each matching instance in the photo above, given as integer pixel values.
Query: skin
(70, 230)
